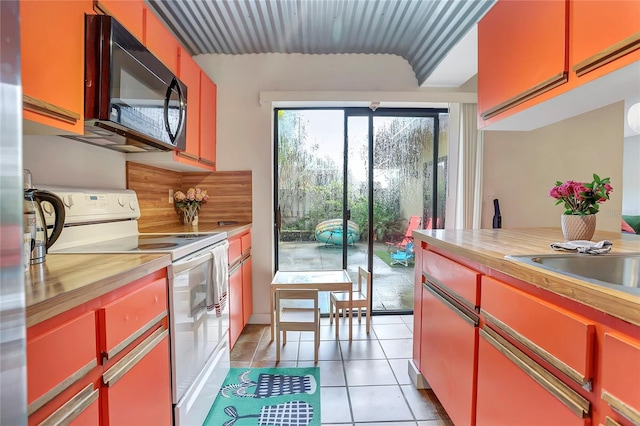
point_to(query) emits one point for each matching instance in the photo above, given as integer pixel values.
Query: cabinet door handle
(621, 408)
(608, 421)
(459, 300)
(122, 367)
(44, 399)
(609, 54)
(106, 356)
(542, 87)
(571, 399)
(235, 268)
(469, 318)
(566, 369)
(73, 408)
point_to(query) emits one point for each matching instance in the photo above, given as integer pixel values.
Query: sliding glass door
(350, 187)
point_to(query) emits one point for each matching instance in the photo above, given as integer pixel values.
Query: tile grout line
(346, 383)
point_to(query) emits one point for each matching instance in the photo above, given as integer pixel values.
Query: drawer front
(246, 242)
(508, 394)
(462, 281)
(449, 341)
(562, 338)
(127, 318)
(235, 305)
(82, 409)
(235, 250)
(621, 375)
(59, 358)
(247, 291)
(142, 394)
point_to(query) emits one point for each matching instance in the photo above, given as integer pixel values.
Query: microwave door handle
(184, 265)
(173, 136)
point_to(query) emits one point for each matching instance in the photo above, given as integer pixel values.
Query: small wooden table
(322, 280)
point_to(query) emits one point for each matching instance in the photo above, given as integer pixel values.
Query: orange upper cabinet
(521, 53)
(208, 95)
(129, 13)
(52, 54)
(189, 73)
(160, 41)
(619, 34)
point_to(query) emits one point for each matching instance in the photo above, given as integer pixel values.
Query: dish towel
(219, 283)
(583, 246)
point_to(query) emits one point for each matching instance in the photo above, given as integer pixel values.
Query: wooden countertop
(65, 281)
(488, 247)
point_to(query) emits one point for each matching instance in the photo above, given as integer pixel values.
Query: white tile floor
(363, 382)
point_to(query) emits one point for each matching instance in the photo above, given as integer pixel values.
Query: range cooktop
(178, 245)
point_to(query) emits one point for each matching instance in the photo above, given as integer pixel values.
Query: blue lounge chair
(402, 257)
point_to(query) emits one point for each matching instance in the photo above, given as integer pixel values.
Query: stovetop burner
(178, 245)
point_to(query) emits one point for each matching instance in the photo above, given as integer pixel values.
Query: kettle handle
(58, 207)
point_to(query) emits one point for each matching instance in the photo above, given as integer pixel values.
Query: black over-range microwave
(133, 102)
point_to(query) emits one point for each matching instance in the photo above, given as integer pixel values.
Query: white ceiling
(460, 64)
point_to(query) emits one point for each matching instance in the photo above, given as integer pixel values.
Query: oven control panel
(90, 205)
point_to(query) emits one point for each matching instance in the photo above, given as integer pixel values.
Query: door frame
(371, 114)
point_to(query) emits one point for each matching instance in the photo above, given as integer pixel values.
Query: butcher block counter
(65, 281)
(486, 249)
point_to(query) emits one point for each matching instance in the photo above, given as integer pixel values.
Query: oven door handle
(191, 263)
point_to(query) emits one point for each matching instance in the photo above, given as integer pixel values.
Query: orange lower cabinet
(449, 339)
(514, 390)
(130, 316)
(58, 357)
(621, 378)
(417, 309)
(82, 408)
(528, 319)
(90, 415)
(247, 291)
(461, 281)
(235, 304)
(137, 389)
(235, 250)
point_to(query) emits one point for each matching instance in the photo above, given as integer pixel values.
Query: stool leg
(368, 316)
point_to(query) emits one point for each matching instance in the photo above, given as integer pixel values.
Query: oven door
(195, 332)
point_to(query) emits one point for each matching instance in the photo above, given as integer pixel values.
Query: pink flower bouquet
(581, 198)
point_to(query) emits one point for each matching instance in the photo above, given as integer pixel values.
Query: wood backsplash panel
(152, 184)
(229, 194)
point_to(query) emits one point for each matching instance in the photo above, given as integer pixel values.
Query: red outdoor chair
(414, 223)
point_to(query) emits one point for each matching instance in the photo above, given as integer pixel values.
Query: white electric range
(100, 221)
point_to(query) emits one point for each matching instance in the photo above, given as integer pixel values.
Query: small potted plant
(188, 204)
(581, 202)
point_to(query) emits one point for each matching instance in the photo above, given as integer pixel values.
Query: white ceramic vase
(576, 227)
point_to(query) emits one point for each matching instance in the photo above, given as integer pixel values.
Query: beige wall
(521, 167)
(631, 198)
(54, 160)
(245, 128)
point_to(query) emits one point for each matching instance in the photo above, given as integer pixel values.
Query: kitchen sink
(618, 271)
